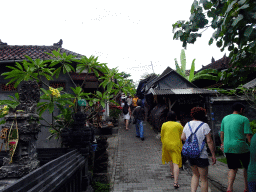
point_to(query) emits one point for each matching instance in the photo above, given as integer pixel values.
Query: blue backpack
(190, 148)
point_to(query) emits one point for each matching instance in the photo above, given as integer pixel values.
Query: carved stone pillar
(78, 136)
(25, 156)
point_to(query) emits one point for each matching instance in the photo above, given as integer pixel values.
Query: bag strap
(196, 128)
(203, 144)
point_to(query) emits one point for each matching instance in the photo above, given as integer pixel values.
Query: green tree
(146, 75)
(233, 22)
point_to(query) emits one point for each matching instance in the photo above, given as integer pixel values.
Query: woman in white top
(199, 165)
(126, 116)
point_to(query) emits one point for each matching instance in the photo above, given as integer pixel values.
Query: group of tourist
(235, 129)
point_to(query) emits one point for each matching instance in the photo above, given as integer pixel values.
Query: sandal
(176, 185)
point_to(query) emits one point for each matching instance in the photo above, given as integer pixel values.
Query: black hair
(171, 116)
(237, 106)
(139, 102)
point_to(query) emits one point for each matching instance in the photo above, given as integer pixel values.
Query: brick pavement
(218, 174)
(136, 165)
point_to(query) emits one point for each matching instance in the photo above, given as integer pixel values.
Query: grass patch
(223, 160)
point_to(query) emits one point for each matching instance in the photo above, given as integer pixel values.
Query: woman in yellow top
(172, 145)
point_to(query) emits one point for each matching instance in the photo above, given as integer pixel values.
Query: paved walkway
(218, 175)
(136, 165)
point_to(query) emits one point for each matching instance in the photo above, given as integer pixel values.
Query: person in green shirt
(235, 128)
(252, 166)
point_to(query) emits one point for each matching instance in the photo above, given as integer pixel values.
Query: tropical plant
(210, 74)
(182, 68)
(253, 126)
(67, 103)
(241, 92)
(115, 112)
(233, 23)
(5, 105)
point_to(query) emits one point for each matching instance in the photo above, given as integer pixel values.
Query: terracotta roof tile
(222, 63)
(18, 52)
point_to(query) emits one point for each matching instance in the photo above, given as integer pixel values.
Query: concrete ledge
(50, 176)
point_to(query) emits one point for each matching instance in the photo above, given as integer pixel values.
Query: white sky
(124, 34)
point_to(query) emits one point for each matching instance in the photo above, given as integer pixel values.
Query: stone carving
(29, 96)
(25, 156)
(2, 44)
(59, 44)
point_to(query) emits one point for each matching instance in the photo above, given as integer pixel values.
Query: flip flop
(176, 185)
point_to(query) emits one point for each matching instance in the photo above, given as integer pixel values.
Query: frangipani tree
(67, 103)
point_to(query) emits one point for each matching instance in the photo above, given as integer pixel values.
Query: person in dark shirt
(139, 115)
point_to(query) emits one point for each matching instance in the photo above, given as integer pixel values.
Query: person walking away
(126, 114)
(235, 128)
(200, 164)
(252, 166)
(172, 145)
(139, 115)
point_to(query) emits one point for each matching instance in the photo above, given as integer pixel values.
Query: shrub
(114, 112)
(100, 187)
(253, 126)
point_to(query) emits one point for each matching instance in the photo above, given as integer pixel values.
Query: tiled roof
(222, 63)
(18, 52)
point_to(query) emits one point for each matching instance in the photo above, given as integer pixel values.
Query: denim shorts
(199, 162)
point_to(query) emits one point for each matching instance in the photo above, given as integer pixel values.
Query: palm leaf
(178, 69)
(183, 61)
(192, 71)
(206, 76)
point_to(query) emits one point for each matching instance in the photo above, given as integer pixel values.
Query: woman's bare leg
(127, 124)
(171, 168)
(203, 172)
(195, 178)
(176, 171)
